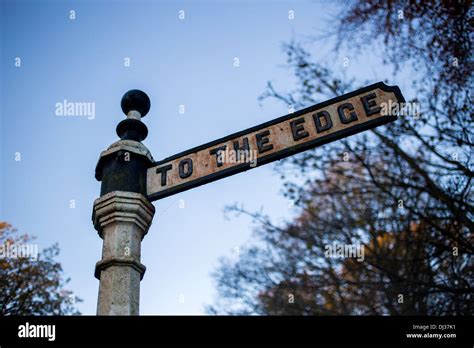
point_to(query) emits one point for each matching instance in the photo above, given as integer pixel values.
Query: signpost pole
(123, 214)
(131, 178)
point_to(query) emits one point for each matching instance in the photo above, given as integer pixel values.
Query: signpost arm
(123, 214)
(131, 179)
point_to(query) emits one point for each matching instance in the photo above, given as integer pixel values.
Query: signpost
(131, 179)
(285, 136)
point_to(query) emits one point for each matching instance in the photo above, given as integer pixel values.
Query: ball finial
(135, 100)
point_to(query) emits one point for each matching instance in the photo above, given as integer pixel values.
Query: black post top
(135, 100)
(133, 128)
(122, 167)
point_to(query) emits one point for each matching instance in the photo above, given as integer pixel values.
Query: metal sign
(285, 136)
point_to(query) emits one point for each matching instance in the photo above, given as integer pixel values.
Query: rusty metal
(285, 136)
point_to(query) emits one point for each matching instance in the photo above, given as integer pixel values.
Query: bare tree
(403, 191)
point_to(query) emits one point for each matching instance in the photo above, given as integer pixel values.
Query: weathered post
(122, 215)
(131, 179)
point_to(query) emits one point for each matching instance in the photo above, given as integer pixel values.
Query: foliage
(403, 191)
(32, 285)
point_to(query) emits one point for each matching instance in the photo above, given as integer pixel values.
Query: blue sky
(176, 62)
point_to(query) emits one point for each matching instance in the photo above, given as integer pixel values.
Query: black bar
(220, 330)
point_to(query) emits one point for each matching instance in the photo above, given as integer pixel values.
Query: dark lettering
(245, 148)
(163, 170)
(216, 152)
(188, 162)
(327, 121)
(342, 115)
(297, 129)
(262, 140)
(370, 106)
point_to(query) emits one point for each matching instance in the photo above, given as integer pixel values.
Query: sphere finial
(135, 100)
(135, 104)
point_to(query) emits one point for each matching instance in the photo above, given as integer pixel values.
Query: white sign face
(285, 136)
